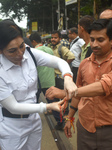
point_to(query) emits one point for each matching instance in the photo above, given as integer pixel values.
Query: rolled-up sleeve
(67, 54)
(106, 82)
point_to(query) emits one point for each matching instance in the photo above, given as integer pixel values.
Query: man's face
(55, 39)
(70, 35)
(100, 43)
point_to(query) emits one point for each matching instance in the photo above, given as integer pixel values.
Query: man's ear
(82, 29)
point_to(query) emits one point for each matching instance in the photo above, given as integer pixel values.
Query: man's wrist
(74, 108)
(76, 92)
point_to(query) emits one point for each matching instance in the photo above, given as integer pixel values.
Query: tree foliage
(44, 11)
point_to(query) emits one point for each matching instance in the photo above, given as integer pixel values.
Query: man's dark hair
(27, 41)
(35, 36)
(85, 22)
(58, 32)
(8, 31)
(101, 24)
(73, 30)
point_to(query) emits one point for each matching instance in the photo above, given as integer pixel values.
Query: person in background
(64, 39)
(83, 28)
(106, 14)
(27, 41)
(75, 48)
(20, 123)
(64, 53)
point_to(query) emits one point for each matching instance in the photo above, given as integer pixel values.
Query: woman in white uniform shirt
(20, 123)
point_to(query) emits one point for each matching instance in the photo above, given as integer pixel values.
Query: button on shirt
(95, 111)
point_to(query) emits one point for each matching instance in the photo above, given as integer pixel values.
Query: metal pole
(78, 10)
(94, 9)
(58, 9)
(52, 19)
(66, 21)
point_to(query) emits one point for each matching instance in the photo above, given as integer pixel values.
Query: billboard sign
(68, 2)
(34, 26)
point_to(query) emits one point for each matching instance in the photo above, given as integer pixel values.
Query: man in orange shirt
(93, 97)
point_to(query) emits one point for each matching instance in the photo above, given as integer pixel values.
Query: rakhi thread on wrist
(72, 120)
(67, 74)
(62, 113)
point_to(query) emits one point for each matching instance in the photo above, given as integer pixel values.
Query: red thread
(61, 112)
(67, 74)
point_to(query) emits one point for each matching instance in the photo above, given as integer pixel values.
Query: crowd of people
(76, 67)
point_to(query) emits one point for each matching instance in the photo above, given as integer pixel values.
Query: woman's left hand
(56, 106)
(69, 87)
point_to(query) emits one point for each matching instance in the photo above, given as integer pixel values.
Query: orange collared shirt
(95, 111)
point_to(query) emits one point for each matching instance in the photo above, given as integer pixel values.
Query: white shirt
(76, 49)
(21, 81)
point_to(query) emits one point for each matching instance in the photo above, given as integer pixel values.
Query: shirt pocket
(32, 76)
(20, 90)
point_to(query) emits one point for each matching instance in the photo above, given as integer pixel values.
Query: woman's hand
(56, 106)
(69, 87)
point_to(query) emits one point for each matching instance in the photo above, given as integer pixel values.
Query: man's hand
(67, 129)
(54, 92)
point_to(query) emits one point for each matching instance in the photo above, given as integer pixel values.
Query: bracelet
(71, 119)
(73, 108)
(67, 74)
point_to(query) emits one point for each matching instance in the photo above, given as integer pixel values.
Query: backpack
(59, 50)
(89, 51)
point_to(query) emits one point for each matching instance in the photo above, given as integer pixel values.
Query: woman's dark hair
(8, 31)
(101, 24)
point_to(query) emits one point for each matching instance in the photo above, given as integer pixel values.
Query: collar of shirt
(84, 48)
(92, 58)
(38, 45)
(56, 46)
(8, 64)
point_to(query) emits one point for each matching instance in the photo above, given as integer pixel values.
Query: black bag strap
(59, 50)
(74, 41)
(28, 49)
(89, 52)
